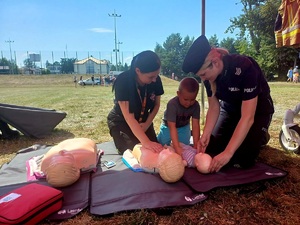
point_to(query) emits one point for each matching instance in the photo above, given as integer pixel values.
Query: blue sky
(84, 26)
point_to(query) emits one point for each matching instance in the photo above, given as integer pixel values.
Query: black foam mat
(230, 176)
(121, 189)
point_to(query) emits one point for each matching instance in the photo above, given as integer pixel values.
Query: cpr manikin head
(202, 162)
(63, 162)
(169, 164)
(62, 170)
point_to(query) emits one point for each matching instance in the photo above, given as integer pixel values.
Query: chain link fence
(18, 60)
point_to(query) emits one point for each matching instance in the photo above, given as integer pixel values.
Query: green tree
(13, 68)
(29, 64)
(45, 71)
(5, 62)
(244, 47)
(214, 41)
(113, 67)
(123, 67)
(247, 23)
(229, 44)
(67, 65)
(257, 38)
(172, 54)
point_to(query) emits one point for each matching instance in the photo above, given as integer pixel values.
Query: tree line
(255, 37)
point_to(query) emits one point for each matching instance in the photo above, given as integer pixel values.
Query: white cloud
(100, 30)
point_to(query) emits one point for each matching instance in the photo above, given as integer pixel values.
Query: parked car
(88, 81)
(115, 73)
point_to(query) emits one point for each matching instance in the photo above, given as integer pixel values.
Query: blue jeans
(184, 135)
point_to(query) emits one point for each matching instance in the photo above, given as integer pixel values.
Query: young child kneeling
(180, 110)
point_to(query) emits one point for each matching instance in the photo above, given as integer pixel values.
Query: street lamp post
(114, 15)
(11, 61)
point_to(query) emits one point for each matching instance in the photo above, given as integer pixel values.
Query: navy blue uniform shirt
(241, 79)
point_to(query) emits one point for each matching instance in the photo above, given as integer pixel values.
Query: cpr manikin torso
(201, 161)
(169, 164)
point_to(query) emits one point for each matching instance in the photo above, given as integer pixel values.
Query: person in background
(93, 80)
(136, 103)
(106, 80)
(103, 80)
(295, 74)
(290, 75)
(75, 80)
(240, 107)
(180, 111)
(81, 81)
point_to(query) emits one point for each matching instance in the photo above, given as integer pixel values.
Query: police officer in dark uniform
(240, 105)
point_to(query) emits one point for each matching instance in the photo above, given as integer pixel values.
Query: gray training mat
(120, 189)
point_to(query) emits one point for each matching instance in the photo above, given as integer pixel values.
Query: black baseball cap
(196, 55)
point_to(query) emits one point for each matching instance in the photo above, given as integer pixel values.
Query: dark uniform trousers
(248, 151)
(124, 138)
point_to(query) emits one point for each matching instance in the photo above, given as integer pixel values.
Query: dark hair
(147, 61)
(190, 84)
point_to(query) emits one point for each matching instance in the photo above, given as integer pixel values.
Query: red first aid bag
(29, 204)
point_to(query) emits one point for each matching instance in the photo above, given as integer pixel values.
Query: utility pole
(119, 43)
(114, 15)
(11, 61)
(202, 84)
(67, 51)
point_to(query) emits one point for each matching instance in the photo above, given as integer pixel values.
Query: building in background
(54, 69)
(4, 70)
(92, 65)
(30, 71)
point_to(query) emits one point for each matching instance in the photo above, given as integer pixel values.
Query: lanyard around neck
(143, 101)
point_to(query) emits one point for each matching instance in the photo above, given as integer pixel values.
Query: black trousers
(249, 150)
(124, 138)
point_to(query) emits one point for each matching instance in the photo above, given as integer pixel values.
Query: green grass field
(270, 202)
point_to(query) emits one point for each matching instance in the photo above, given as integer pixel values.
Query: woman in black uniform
(240, 106)
(137, 101)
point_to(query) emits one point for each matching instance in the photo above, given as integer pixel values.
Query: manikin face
(186, 99)
(146, 78)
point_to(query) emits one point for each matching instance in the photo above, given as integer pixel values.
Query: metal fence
(18, 56)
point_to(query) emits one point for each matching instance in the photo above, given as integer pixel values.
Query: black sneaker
(266, 139)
